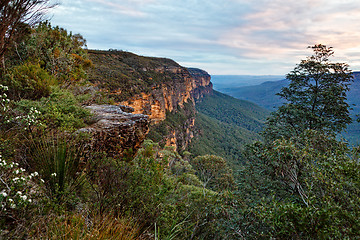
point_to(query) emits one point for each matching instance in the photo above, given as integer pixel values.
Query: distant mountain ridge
(221, 82)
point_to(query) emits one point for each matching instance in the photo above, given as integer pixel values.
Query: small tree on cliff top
(316, 97)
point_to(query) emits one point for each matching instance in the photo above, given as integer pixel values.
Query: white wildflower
(53, 174)
(3, 193)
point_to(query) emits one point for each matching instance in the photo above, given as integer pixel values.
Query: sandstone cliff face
(191, 84)
(202, 84)
(115, 131)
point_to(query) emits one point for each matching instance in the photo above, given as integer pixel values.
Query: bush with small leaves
(19, 192)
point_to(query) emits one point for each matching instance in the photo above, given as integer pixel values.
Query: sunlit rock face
(190, 85)
(115, 131)
(166, 96)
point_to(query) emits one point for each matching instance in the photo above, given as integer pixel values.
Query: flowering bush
(7, 116)
(17, 188)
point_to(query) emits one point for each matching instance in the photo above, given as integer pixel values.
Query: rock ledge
(116, 132)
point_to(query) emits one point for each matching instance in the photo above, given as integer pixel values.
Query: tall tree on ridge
(316, 98)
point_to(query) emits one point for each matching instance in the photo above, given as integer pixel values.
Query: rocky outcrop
(115, 131)
(191, 84)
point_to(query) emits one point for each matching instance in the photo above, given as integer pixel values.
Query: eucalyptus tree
(316, 97)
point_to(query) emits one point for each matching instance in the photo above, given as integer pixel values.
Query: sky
(222, 37)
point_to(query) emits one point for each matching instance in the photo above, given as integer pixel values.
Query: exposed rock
(203, 86)
(126, 108)
(116, 132)
(190, 85)
(166, 96)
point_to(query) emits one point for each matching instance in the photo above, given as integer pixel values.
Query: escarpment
(157, 87)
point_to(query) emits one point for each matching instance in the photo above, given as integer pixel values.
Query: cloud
(129, 8)
(276, 29)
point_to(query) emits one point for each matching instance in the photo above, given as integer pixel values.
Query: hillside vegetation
(54, 186)
(132, 74)
(225, 125)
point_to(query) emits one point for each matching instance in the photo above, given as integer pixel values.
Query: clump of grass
(60, 161)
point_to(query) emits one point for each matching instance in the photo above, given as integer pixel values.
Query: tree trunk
(2, 62)
(2, 54)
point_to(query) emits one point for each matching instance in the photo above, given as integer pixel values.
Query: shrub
(19, 192)
(60, 110)
(28, 81)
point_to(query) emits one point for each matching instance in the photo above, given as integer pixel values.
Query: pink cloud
(126, 8)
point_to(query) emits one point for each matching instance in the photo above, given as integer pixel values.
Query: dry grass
(76, 226)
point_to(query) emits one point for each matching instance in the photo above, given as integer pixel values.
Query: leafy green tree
(324, 187)
(316, 97)
(214, 172)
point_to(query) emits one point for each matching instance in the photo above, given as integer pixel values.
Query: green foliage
(233, 111)
(224, 125)
(60, 53)
(298, 183)
(59, 161)
(135, 189)
(28, 81)
(218, 138)
(316, 97)
(60, 109)
(213, 172)
(314, 185)
(158, 186)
